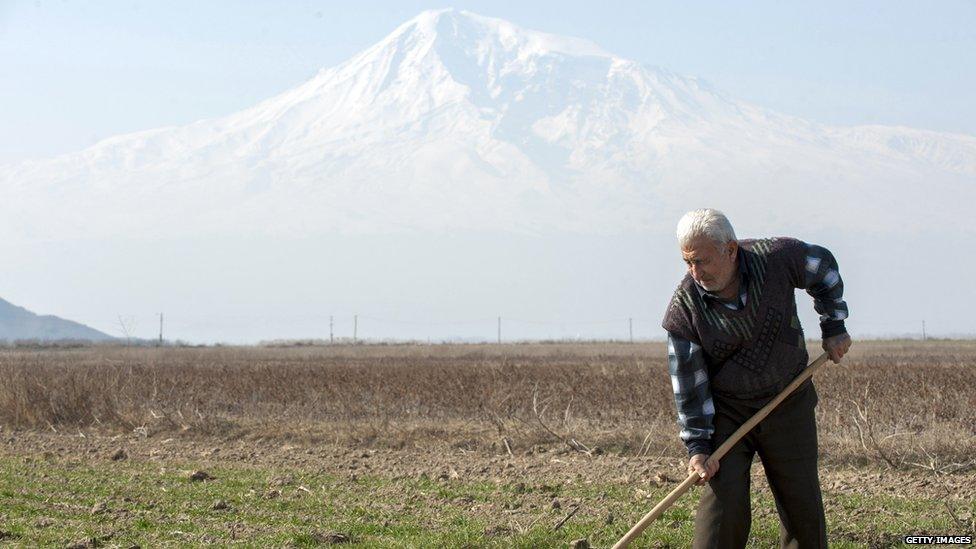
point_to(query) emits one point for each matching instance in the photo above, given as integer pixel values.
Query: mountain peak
(461, 27)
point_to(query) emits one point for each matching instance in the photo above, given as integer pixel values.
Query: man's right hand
(706, 469)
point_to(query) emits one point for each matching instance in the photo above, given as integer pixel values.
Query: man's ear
(733, 248)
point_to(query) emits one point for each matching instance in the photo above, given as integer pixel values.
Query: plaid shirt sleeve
(692, 396)
(822, 281)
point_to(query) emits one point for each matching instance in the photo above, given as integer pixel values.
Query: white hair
(706, 222)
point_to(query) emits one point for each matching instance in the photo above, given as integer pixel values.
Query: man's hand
(837, 346)
(697, 464)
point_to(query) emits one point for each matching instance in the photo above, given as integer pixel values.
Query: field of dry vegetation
(893, 403)
(529, 445)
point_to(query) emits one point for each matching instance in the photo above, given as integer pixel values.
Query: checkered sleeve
(692, 396)
(823, 282)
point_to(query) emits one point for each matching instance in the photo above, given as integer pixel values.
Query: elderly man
(734, 342)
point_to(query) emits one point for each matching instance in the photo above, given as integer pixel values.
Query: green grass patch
(53, 503)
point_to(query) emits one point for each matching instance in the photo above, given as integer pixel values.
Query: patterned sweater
(747, 350)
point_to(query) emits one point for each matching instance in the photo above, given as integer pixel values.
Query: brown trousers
(786, 442)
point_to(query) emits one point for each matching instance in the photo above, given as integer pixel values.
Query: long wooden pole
(693, 477)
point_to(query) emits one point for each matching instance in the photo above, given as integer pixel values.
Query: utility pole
(331, 333)
(499, 329)
(631, 321)
(355, 328)
(160, 329)
(923, 330)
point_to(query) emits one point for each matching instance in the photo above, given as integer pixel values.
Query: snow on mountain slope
(461, 122)
(950, 152)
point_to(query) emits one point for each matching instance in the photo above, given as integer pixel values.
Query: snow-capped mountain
(461, 122)
(464, 168)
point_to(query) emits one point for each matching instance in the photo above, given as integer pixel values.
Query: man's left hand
(837, 346)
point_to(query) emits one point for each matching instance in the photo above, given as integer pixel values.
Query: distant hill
(19, 323)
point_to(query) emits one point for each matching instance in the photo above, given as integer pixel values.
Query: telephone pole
(355, 328)
(331, 333)
(499, 329)
(160, 329)
(631, 321)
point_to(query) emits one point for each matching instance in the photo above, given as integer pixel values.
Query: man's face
(712, 265)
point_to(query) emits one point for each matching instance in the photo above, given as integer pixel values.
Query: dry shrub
(893, 402)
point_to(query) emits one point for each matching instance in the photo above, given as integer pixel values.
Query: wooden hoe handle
(659, 509)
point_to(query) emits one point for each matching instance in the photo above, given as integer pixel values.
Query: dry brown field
(509, 428)
(892, 402)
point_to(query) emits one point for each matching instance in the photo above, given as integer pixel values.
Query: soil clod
(200, 476)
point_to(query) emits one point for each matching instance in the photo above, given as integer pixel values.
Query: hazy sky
(72, 72)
